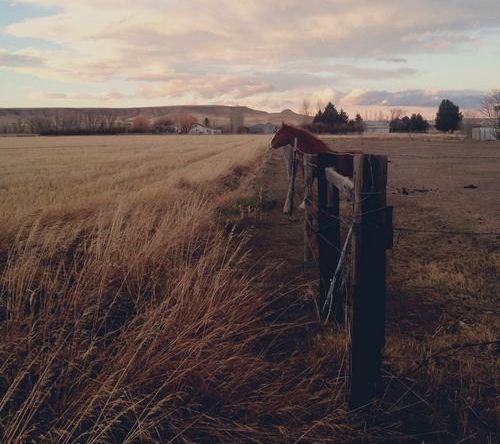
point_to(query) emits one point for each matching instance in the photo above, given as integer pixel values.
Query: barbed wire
(406, 229)
(340, 266)
(453, 232)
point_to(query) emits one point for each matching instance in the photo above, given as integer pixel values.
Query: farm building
(263, 128)
(201, 129)
(484, 133)
(377, 127)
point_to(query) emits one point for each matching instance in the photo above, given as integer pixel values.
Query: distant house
(484, 133)
(201, 129)
(377, 127)
(263, 128)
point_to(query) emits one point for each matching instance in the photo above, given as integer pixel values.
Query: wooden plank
(308, 217)
(328, 236)
(368, 278)
(342, 183)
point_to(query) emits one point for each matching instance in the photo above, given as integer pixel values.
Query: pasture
(134, 307)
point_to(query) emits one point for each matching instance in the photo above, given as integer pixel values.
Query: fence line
(368, 237)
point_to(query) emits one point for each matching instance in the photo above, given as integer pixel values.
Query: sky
(365, 56)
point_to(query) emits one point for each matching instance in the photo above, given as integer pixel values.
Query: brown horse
(308, 143)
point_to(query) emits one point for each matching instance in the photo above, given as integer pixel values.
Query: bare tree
(108, 119)
(469, 122)
(305, 108)
(396, 113)
(21, 125)
(163, 125)
(39, 124)
(140, 125)
(490, 107)
(184, 121)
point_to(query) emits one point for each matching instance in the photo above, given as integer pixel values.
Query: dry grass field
(125, 312)
(72, 177)
(134, 308)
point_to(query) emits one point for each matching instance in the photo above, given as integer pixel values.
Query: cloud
(392, 59)
(371, 73)
(108, 96)
(206, 87)
(246, 50)
(417, 98)
(19, 60)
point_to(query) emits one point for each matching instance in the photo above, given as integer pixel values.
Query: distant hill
(218, 115)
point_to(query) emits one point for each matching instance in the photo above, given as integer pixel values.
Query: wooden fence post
(328, 237)
(290, 154)
(368, 277)
(287, 152)
(308, 217)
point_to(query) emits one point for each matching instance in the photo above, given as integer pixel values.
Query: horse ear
(283, 124)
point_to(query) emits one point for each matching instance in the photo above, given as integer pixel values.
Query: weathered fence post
(290, 154)
(370, 240)
(287, 152)
(328, 237)
(308, 217)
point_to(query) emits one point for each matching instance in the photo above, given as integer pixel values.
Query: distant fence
(368, 234)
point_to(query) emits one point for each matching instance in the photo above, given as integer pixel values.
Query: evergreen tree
(206, 122)
(343, 117)
(359, 124)
(332, 121)
(330, 116)
(418, 123)
(448, 116)
(318, 117)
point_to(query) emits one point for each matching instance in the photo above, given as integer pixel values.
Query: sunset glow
(366, 56)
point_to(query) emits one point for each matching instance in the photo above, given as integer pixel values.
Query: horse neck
(292, 135)
(307, 139)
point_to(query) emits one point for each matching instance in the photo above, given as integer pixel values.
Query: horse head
(282, 137)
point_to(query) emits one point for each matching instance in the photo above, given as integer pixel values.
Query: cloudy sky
(363, 55)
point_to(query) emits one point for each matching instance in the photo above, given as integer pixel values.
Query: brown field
(133, 307)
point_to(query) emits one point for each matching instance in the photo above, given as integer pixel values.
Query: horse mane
(317, 145)
(308, 143)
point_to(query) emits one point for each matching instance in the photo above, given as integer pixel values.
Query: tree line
(95, 122)
(330, 120)
(102, 122)
(67, 122)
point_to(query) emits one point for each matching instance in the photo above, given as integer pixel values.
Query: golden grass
(73, 175)
(127, 314)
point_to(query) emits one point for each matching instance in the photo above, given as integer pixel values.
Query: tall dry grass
(127, 314)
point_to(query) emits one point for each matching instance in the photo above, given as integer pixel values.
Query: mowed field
(76, 176)
(125, 311)
(134, 309)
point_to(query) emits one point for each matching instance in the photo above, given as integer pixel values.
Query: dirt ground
(442, 327)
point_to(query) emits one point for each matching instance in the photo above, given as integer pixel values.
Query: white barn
(484, 133)
(201, 129)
